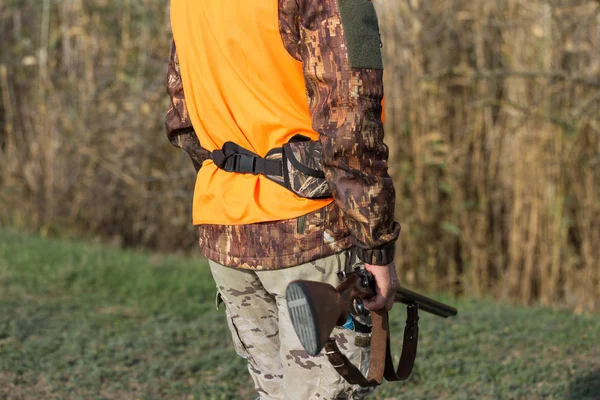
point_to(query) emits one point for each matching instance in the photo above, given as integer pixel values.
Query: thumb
(375, 303)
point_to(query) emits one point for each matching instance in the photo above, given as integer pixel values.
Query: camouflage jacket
(338, 43)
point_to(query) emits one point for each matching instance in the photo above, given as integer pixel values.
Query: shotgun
(316, 308)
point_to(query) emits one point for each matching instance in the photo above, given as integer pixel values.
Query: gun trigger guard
(359, 308)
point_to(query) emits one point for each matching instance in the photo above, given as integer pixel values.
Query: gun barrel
(425, 303)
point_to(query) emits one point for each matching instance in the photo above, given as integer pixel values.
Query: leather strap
(409, 348)
(381, 361)
(349, 371)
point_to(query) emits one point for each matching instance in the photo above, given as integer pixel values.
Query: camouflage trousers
(263, 334)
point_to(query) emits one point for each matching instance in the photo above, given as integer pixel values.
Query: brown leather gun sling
(381, 362)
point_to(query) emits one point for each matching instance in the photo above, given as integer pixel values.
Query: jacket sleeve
(178, 124)
(339, 47)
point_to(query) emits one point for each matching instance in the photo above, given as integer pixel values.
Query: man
(257, 73)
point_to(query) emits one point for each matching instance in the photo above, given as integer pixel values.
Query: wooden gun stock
(316, 308)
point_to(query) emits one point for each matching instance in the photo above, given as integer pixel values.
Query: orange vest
(241, 85)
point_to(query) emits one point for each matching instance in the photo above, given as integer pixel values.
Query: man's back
(257, 73)
(241, 85)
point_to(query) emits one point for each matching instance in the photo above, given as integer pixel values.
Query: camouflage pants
(263, 333)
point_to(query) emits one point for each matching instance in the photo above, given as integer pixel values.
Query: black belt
(234, 158)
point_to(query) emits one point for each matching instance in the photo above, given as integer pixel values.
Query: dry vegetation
(492, 118)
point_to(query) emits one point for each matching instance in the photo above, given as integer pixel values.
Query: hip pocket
(302, 169)
(238, 344)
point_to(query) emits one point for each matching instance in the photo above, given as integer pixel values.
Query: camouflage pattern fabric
(263, 334)
(345, 104)
(309, 155)
(178, 124)
(277, 156)
(289, 21)
(273, 245)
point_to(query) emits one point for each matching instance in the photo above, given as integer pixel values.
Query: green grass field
(80, 321)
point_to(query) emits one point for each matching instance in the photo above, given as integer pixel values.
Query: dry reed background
(492, 119)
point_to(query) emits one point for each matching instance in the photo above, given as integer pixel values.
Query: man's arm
(339, 47)
(177, 122)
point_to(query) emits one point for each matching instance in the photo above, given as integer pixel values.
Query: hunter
(263, 94)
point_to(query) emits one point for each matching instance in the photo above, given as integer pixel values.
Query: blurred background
(493, 120)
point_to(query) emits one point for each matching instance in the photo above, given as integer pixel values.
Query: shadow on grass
(586, 387)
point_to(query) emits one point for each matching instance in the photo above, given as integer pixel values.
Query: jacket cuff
(383, 255)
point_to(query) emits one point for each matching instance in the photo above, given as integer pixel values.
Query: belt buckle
(246, 163)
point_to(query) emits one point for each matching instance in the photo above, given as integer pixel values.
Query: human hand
(386, 283)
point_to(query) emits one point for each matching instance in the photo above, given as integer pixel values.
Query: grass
(81, 321)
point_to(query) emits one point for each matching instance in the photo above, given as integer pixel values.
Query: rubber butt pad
(303, 318)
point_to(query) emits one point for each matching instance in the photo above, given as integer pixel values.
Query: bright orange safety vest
(241, 85)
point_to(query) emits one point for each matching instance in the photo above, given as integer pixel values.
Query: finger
(376, 303)
(390, 303)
